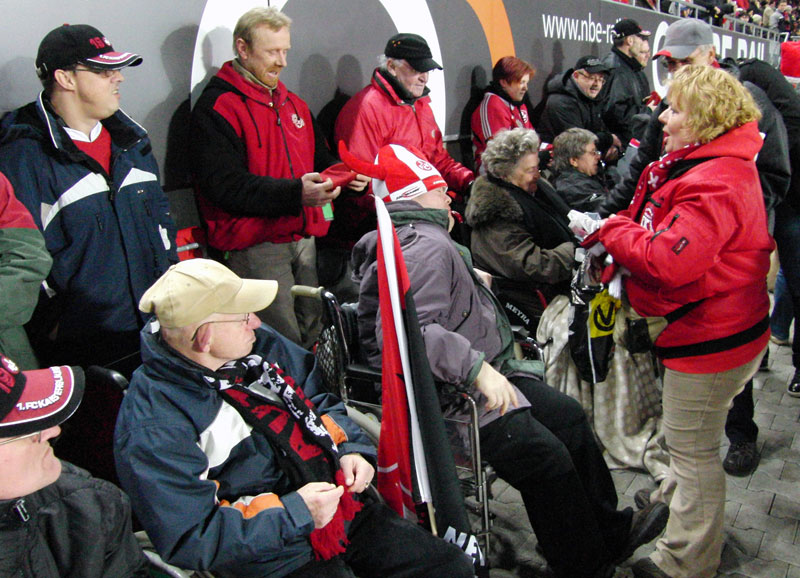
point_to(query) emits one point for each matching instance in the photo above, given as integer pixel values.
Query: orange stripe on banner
(494, 20)
(255, 505)
(338, 434)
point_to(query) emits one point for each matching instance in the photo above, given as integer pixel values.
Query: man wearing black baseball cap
(627, 89)
(55, 520)
(85, 171)
(393, 109)
(575, 100)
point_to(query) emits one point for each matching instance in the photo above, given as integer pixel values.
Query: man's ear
(574, 162)
(202, 340)
(241, 49)
(64, 79)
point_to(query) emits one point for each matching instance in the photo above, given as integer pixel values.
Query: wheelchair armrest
(106, 377)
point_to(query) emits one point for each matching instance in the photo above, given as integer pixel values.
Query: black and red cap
(73, 44)
(32, 401)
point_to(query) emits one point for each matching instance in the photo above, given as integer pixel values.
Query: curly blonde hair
(713, 100)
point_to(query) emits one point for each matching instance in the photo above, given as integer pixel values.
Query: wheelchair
(358, 385)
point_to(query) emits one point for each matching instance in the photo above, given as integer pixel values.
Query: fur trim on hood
(489, 203)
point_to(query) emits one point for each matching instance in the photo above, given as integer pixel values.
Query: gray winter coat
(462, 322)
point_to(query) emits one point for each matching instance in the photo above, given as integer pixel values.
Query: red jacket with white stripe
(496, 112)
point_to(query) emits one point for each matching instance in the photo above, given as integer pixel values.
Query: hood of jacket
(38, 121)
(565, 85)
(402, 213)
(489, 203)
(742, 142)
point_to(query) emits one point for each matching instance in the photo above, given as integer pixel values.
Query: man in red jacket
(256, 159)
(393, 109)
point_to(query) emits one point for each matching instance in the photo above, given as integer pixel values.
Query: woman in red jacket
(695, 243)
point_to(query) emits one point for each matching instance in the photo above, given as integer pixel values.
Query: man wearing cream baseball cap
(235, 456)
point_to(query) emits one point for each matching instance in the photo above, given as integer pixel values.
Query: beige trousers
(695, 408)
(293, 263)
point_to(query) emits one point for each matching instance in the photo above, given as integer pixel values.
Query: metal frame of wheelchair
(349, 379)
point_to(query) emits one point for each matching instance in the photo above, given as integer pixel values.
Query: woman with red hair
(501, 107)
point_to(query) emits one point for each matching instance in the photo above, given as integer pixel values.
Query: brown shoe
(646, 568)
(646, 524)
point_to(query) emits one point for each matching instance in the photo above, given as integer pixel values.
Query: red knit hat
(400, 172)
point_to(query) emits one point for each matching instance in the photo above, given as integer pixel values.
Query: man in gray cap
(393, 109)
(575, 100)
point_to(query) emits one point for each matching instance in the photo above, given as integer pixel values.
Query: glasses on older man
(245, 320)
(37, 435)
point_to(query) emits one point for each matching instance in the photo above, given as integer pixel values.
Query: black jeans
(383, 545)
(739, 425)
(548, 452)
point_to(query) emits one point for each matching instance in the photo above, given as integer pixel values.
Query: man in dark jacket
(690, 41)
(575, 99)
(627, 88)
(535, 437)
(86, 172)
(256, 159)
(56, 521)
(237, 458)
(787, 212)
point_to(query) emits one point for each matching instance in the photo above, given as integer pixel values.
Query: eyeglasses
(245, 320)
(600, 78)
(104, 72)
(673, 63)
(593, 152)
(17, 438)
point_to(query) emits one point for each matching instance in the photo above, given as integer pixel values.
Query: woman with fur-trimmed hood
(520, 227)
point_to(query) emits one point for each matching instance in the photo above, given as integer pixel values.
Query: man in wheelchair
(535, 437)
(55, 519)
(236, 458)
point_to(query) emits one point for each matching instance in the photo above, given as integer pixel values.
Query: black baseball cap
(627, 27)
(33, 401)
(413, 49)
(73, 44)
(591, 64)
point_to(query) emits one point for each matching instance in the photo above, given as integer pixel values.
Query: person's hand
(317, 191)
(358, 472)
(360, 183)
(321, 499)
(498, 390)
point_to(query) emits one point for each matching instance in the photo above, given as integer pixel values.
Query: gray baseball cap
(684, 36)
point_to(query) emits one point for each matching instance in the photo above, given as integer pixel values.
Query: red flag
(415, 461)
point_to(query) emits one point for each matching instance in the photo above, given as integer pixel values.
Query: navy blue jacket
(208, 489)
(111, 235)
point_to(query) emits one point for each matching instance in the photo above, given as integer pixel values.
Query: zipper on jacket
(672, 222)
(285, 144)
(21, 510)
(253, 120)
